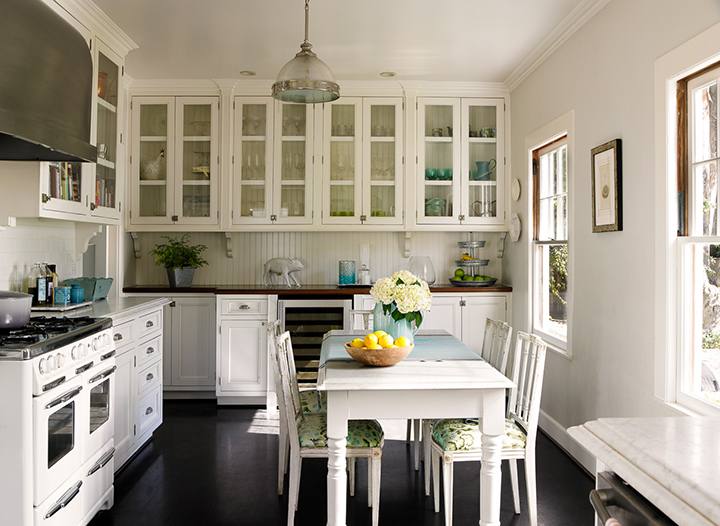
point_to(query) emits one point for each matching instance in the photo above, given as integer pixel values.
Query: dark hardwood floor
(216, 466)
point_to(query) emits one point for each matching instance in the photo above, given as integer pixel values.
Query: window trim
(688, 59)
(552, 140)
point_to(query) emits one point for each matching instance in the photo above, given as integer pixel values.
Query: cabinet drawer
(122, 334)
(148, 323)
(243, 306)
(149, 378)
(149, 412)
(149, 352)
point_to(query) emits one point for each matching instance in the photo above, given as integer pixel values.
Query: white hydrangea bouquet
(403, 297)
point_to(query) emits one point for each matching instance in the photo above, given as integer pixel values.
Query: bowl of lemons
(379, 349)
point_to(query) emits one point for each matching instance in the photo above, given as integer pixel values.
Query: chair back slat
(527, 375)
(273, 333)
(286, 353)
(364, 317)
(293, 411)
(496, 344)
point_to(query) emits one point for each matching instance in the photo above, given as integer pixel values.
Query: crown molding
(96, 20)
(567, 27)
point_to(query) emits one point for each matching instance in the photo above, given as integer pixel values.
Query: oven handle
(67, 497)
(107, 457)
(108, 355)
(83, 368)
(103, 374)
(53, 384)
(600, 500)
(64, 398)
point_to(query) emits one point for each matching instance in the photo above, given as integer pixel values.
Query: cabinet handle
(149, 350)
(461, 217)
(363, 218)
(92, 206)
(174, 218)
(149, 377)
(273, 217)
(148, 411)
(149, 324)
(117, 337)
(244, 307)
(45, 198)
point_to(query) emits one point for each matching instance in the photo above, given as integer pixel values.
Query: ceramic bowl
(378, 357)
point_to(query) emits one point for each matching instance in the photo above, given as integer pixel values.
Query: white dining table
(442, 378)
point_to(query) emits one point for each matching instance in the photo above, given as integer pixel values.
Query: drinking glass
(423, 268)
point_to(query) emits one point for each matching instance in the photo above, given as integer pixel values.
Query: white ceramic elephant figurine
(283, 267)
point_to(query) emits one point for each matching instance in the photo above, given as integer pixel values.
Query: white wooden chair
(495, 351)
(458, 440)
(362, 319)
(307, 435)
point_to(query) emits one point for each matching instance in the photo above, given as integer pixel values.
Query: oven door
(99, 394)
(58, 416)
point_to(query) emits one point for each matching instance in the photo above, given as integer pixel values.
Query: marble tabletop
(677, 461)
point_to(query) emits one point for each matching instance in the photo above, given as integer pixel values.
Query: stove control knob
(42, 366)
(82, 350)
(95, 344)
(75, 352)
(106, 339)
(60, 360)
(50, 363)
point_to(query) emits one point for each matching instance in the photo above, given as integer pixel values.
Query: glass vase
(381, 321)
(423, 268)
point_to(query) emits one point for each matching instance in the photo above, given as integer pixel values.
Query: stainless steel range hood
(46, 80)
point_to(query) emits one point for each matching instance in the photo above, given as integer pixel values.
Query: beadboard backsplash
(33, 241)
(318, 251)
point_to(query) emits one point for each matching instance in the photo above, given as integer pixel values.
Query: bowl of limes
(379, 349)
(464, 279)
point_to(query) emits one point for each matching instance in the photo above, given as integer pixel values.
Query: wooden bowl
(378, 357)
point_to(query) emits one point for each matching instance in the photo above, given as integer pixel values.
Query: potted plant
(401, 300)
(180, 259)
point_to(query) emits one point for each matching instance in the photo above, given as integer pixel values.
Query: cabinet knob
(174, 218)
(93, 206)
(461, 217)
(149, 377)
(45, 198)
(149, 411)
(273, 217)
(363, 218)
(117, 337)
(149, 350)
(149, 324)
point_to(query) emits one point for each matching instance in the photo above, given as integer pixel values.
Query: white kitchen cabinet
(363, 161)
(445, 314)
(461, 161)
(475, 310)
(124, 407)
(175, 161)
(242, 357)
(192, 351)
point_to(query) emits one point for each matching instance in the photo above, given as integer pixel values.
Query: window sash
(548, 191)
(541, 297)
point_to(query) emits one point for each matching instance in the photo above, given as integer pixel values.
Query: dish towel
(613, 522)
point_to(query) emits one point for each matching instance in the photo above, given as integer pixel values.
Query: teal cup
(485, 170)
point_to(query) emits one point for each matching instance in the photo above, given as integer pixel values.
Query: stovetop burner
(43, 333)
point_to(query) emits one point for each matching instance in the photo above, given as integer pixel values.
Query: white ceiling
(463, 40)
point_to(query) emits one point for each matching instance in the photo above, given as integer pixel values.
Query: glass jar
(346, 272)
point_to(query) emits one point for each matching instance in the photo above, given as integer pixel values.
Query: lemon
(402, 341)
(386, 341)
(370, 339)
(379, 334)
(374, 346)
(357, 343)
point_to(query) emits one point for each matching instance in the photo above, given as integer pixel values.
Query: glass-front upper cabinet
(65, 187)
(439, 161)
(175, 161)
(197, 160)
(342, 162)
(107, 189)
(252, 160)
(483, 161)
(382, 160)
(293, 164)
(151, 159)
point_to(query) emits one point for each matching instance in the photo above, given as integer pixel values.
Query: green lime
(467, 278)
(459, 273)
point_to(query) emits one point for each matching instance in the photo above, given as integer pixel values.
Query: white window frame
(540, 263)
(564, 125)
(671, 283)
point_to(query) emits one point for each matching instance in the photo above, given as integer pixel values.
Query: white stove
(57, 384)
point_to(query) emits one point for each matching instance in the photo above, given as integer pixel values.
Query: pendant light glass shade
(306, 79)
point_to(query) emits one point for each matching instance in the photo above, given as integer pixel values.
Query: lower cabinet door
(123, 407)
(242, 358)
(149, 412)
(444, 314)
(193, 342)
(476, 310)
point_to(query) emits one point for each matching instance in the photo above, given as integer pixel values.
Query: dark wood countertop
(305, 290)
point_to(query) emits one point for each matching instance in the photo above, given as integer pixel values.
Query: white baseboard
(559, 434)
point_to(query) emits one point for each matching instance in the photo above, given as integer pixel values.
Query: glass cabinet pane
(438, 121)
(106, 135)
(65, 181)
(482, 156)
(382, 201)
(251, 152)
(383, 154)
(382, 121)
(293, 162)
(153, 160)
(344, 155)
(196, 161)
(342, 201)
(438, 175)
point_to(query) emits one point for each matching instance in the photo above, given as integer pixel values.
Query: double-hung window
(550, 242)
(698, 356)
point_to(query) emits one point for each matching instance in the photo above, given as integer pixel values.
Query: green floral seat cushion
(463, 434)
(313, 402)
(312, 430)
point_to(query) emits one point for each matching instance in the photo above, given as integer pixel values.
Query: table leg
(493, 429)
(337, 478)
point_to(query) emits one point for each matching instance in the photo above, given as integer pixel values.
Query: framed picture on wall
(606, 163)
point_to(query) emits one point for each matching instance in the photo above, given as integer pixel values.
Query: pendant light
(306, 78)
